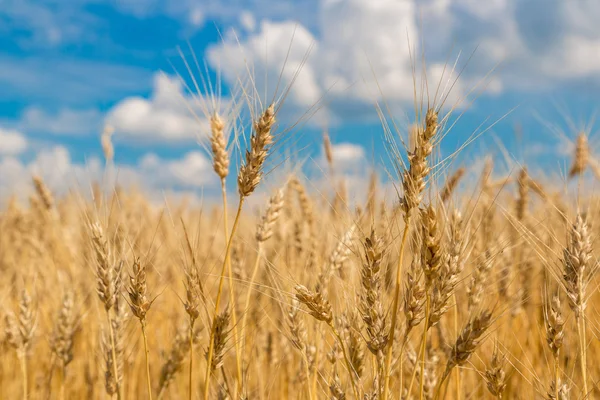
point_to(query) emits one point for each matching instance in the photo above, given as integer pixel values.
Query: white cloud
(154, 175)
(64, 122)
(360, 55)
(361, 48)
(196, 17)
(12, 142)
(248, 21)
(193, 170)
(346, 157)
(266, 52)
(164, 116)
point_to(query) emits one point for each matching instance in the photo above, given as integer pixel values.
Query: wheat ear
(249, 176)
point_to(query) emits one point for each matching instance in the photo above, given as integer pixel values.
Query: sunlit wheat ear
(19, 331)
(414, 178)
(296, 326)
(138, 300)
(443, 289)
(356, 352)
(432, 255)
(43, 192)
(107, 273)
(251, 172)
(318, 306)
(370, 304)
(581, 157)
(562, 388)
(468, 340)
(523, 194)
(430, 374)
(335, 388)
(20, 327)
(577, 259)
(106, 142)
(459, 246)
(554, 325)
(265, 227)
(578, 270)
(306, 205)
(495, 376)
(65, 329)
(218, 145)
(328, 149)
(342, 251)
(414, 295)
(479, 277)
(194, 293)
(114, 356)
(486, 174)
(451, 184)
(221, 336)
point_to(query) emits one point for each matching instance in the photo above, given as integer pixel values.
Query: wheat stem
(238, 360)
(404, 342)
(23, 362)
(62, 383)
(114, 355)
(146, 352)
(307, 371)
(425, 329)
(582, 352)
(191, 338)
(351, 371)
(416, 368)
(210, 354)
(556, 377)
(456, 332)
(388, 360)
(249, 294)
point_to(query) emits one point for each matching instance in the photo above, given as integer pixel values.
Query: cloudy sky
(524, 72)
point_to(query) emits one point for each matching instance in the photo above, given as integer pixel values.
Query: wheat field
(457, 284)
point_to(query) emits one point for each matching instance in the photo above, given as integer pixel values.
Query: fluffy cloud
(168, 114)
(193, 170)
(64, 122)
(12, 142)
(153, 174)
(265, 52)
(362, 57)
(360, 50)
(347, 157)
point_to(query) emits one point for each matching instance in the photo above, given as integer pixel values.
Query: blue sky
(69, 67)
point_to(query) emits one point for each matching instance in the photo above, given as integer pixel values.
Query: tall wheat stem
(23, 362)
(146, 352)
(114, 355)
(556, 377)
(210, 354)
(62, 383)
(317, 355)
(191, 338)
(416, 368)
(388, 359)
(238, 361)
(425, 329)
(401, 363)
(456, 332)
(249, 294)
(351, 371)
(582, 352)
(307, 372)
